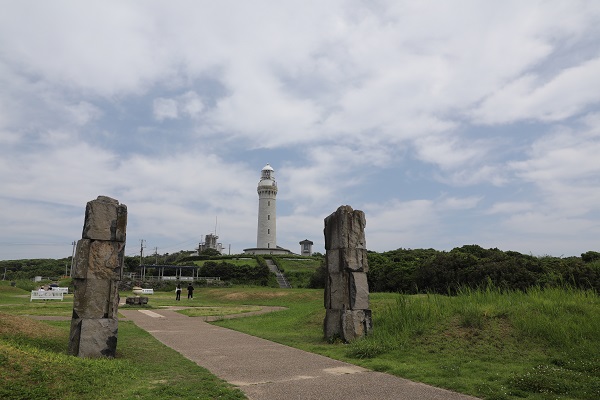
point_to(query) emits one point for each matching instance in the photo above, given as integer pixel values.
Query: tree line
(429, 270)
(403, 270)
(26, 269)
(239, 274)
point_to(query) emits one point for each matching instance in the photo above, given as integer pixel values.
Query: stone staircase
(283, 283)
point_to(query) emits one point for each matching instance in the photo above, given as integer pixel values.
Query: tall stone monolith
(347, 313)
(96, 274)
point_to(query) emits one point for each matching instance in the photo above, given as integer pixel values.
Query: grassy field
(234, 261)
(34, 363)
(493, 345)
(299, 271)
(539, 345)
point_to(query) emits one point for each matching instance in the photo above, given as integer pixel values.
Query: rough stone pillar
(346, 292)
(97, 271)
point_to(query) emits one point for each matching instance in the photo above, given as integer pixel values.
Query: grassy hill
(298, 270)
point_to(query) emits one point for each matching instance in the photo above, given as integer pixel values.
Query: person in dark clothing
(190, 291)
(178, 292)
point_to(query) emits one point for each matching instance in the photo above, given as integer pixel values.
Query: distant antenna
(216, 225)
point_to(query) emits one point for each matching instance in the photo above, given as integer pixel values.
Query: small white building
(306, 247)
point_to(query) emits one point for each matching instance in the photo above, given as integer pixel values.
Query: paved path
(265, 370)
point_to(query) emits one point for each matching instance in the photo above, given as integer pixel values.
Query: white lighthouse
(266, 236)
(266, 233)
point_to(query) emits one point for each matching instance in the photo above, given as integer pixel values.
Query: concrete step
(283, 283)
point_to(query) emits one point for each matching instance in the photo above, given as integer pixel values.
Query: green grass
(218, 311)
(15, 300)
(299, 264)
(491, 344)
(234, 261)
(34, 361)
(537, 345)
(34, 364)
(298, 271)
(300, 325)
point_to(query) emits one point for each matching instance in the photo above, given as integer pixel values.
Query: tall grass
(536, 343)
(397, 323)
(561, 318)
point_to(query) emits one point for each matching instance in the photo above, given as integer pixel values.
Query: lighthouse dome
(267, 176)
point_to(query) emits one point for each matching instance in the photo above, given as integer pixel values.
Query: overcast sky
(446, 122)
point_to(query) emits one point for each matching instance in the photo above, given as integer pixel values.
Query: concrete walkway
(271, 371)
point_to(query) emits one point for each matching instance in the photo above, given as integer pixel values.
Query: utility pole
(142, 246)
(156, 256)
(142, 270)
(72, 259)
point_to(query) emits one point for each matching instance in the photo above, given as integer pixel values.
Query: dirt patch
(263, 310)
(245, 295)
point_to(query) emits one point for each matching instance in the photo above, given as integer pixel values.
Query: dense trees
(419, 270)
(50, 268)
(27, 269)
(246, 274)
(401, 270)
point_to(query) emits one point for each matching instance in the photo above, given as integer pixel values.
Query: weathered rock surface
(345, 229)
(97, 270)
(347, 313)
(136, 300)
(105, 219)
(93, 337)
(95, 298)
(98, 259)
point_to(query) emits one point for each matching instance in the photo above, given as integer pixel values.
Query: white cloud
(565, 167)
(188, 104)
(561, 214)
(165, 109)
(450, 152)
(331, 172)
(550, 226)
(399, 224)
(529, 97)
(83, 112)
(348, 98)
(8, 138)
(456, 203)
(510, 207)
(191, 104)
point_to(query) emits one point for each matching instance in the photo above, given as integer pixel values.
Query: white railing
(182, 278)
(143, 291)
(171, 278)
(46, 295)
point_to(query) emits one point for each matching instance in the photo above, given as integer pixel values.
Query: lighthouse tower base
(264, 250)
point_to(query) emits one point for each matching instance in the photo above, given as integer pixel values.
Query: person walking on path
(190, 291)
(178, 292)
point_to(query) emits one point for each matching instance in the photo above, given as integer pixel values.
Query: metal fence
(156, 278)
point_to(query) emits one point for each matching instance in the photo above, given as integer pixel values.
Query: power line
(165, 247)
